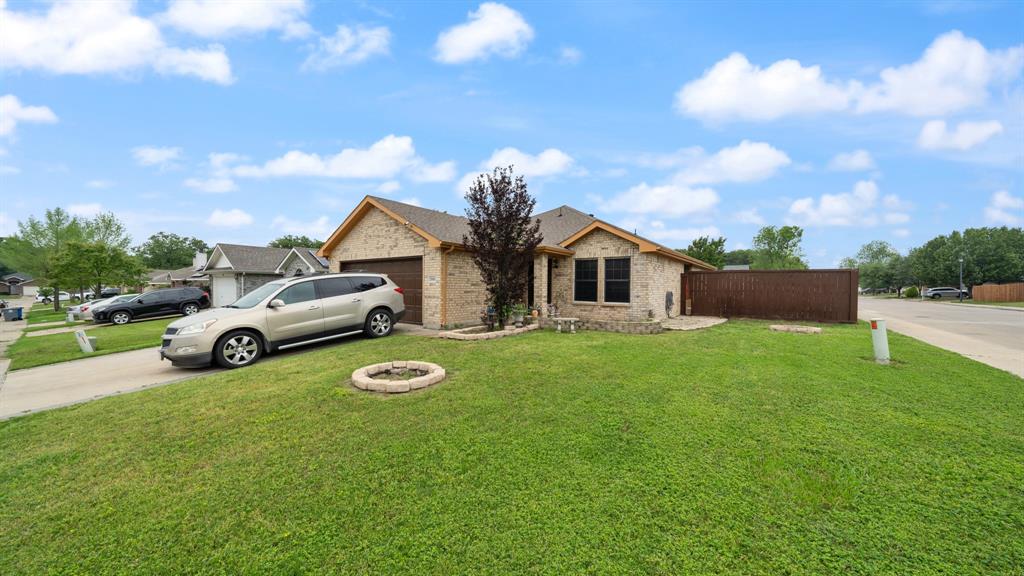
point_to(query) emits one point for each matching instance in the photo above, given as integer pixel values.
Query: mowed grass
(28, 352)
(61, 325)
(728, 450)
(41, 313)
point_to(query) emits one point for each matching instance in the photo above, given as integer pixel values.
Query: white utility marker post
(880, 340)
(86, 343)
(71, 317)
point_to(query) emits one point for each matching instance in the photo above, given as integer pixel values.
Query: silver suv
(283, 314)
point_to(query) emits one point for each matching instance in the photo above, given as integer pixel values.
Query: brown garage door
(407, 273)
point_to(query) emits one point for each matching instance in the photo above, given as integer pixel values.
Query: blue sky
(241, 122)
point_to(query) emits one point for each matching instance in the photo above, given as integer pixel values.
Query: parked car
(104, 293)
(64, 297)
(187, 301)
(283, 314)
(98, 305)
(945, 292)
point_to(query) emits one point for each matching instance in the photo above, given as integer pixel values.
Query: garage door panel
(406, 272)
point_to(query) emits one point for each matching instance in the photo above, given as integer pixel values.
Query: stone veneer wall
(245, 283)
(651, 276)
(378, 235)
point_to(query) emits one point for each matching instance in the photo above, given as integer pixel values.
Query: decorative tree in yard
(502, 235)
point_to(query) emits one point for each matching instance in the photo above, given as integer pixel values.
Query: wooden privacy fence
(815, 295)
(999, 292)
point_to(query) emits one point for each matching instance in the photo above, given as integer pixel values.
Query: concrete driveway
(991, 335)
(66, 383)
(46, 387)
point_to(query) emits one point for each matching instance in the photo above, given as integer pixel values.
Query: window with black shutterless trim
(585, 285)
(616, 279)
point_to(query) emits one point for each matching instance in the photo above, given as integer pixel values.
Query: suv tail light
(206, 294)
(400, 290)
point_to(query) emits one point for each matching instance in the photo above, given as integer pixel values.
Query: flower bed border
(464, 334)
(363, 378)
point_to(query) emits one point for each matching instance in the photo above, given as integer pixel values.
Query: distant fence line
(810, 295)
(999, 292)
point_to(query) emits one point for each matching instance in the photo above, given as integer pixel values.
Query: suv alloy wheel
(189, 309)
(121, 318)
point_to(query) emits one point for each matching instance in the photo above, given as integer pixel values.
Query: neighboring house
(236, 269)
(588, 268)
(188, 276)
(736, 267)
(18, 284)
(302, 262)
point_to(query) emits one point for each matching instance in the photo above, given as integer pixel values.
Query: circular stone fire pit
(398, 376)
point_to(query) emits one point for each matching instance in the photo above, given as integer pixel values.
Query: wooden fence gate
(812, 295)
(999, 292)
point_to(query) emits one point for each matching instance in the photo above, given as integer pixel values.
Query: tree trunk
(56, 298)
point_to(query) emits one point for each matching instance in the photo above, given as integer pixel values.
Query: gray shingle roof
(555, 225)
(253, 258)
(308, 255)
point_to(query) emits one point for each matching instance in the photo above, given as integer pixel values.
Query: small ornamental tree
(502, 235)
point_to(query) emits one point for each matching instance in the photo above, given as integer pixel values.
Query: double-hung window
(585, 285)
(616, 280)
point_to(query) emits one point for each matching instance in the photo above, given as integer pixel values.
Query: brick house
(588, 268)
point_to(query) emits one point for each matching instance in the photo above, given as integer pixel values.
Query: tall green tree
(502, 235)
(989, 255)
(96, 264)
(294, 241)
(708, 249)
(778, 248)
(739, 257)
(168, 251)
(38, 242)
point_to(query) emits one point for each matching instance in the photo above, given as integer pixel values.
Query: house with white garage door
(236, 269)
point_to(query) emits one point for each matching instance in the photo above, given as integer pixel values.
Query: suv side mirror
(276, 303)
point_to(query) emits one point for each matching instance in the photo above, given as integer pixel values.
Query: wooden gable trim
(213, 257)
(357, 215)
(645, 245)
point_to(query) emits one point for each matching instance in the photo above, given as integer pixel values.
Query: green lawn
(44, 313)
(729, 450)
(38, 328)
(29, 352)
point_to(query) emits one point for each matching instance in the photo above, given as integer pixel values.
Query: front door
(301, 317)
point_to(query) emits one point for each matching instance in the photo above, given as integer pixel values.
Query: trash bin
(11, 314)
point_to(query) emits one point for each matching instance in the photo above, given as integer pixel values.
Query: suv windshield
(258, 295)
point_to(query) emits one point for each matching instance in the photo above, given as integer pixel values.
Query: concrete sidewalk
(66, 383)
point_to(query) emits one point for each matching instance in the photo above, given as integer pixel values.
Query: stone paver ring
(397, 376)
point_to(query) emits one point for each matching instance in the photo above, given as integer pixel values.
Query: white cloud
(847, 209)
(100, 38)
(896, 217)
(321, 227)
(1005, 209)
(735, 89)
(214, 185)
(492, 30)
(901, 232)
(954, 73)
(88, 210)
(233, 218)
(99, 184)
(747, 162)
(411, 200)
(348, 46)
(162, 156)
(856, 161)
(669, 200)
(12, 112)
(570, 55)
(750, 216)
(384, 159)
(216, 18)
(389, 187)
(935, 136)
(550, 162)
(8, 169)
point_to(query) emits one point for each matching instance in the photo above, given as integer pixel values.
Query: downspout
(444, 286)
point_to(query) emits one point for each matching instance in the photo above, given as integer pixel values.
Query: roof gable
(307, 256)
(644, 244)
(243, 258)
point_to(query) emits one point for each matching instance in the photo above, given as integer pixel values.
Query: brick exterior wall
(245, 283)
(651, 276)
(467, 295)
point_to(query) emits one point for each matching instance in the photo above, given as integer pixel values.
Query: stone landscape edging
(363, 378)
(465, 334)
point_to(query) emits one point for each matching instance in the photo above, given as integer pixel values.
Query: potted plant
(518, 312)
